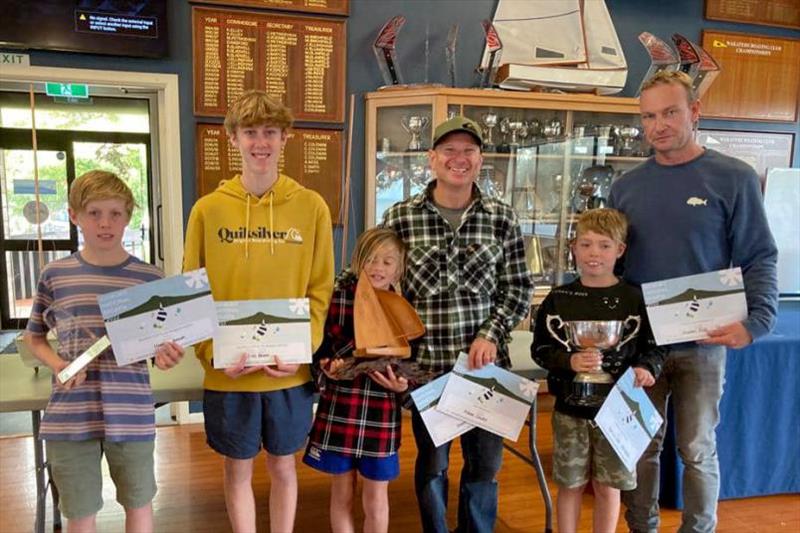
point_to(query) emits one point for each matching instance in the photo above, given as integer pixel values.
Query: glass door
(35, 228)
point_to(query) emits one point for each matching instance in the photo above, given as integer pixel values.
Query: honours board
(297, 60)
(312, 156)
(330, 7)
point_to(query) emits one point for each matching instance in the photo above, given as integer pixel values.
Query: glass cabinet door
(401, 160)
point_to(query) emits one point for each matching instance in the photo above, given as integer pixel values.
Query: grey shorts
(78, 476)
(581, 453)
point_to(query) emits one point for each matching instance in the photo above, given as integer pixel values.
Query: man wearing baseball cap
(467, 277)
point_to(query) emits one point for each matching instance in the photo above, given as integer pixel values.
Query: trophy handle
(560, 325)
(404, 123)
(636, 320)
(425, 122)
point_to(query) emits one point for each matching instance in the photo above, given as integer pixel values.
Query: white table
(27, 389)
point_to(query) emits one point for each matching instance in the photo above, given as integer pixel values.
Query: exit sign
(69, 90)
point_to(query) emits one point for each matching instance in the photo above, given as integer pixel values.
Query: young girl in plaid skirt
(357, 426)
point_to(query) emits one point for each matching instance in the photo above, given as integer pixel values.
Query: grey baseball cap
(456, 124)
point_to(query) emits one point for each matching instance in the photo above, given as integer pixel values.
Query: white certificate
(628, 419)
(441, 427)
(262, 329)
(138, 319)
(684, 309)
(491, 398)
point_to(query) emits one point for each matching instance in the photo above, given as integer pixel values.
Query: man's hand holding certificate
(687, 308)
(490, 397)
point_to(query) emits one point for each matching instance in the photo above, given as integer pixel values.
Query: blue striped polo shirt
(114, 403)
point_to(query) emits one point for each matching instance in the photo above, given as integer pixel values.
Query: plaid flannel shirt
(359, 417)
(473, 282)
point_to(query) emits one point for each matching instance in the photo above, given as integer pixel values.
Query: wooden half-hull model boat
(384, 322)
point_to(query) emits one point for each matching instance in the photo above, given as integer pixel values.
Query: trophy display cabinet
(550, 156)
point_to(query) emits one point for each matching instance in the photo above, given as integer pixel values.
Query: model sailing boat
(384, 322)
(569, 45)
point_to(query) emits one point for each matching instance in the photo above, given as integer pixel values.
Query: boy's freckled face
(102, 223)
(595, 256)
(383, 267)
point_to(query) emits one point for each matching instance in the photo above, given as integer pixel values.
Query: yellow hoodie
(277, 246)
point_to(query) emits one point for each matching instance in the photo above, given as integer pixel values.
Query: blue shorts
(374, 468)
(238, 423)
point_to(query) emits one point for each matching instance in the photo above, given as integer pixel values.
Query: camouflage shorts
(581, 452)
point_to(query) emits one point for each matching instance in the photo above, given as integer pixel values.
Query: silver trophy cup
(414, 125)
(591, 388)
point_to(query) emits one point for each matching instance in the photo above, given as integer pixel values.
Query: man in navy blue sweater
(692, 210)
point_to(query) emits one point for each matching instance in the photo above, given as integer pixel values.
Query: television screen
(115, 27)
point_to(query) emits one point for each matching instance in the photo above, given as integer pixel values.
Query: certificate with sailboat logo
(684, 309)
(491, 398)
(138, 319)
(262, 329)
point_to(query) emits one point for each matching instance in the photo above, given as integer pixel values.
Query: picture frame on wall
(761, 150)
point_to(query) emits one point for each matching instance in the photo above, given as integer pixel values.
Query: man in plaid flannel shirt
(467, 277)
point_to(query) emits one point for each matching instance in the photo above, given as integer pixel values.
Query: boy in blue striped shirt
(104, 409)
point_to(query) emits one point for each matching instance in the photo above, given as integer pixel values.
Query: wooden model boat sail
(384, 322)
(563, 44)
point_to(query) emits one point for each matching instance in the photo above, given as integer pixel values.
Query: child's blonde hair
(99, 185)
(256, 108)
(369, 242)
(604, 221)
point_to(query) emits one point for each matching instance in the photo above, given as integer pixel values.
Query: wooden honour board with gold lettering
(297, 60)
(313, 157)
(330, 7)
(783, 13)
(760, 77)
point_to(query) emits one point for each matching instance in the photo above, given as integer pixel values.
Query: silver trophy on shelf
(511, 129)
(630, 136)
(489, 120)
(414, 126)
(591, 388)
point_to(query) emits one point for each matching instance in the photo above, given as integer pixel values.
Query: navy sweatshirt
(700, 216)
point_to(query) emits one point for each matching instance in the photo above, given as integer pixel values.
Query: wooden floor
(190, 492)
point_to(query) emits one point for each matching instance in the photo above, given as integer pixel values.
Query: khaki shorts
(581, 452)
(78, 476)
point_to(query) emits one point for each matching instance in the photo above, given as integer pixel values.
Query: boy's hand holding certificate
(262, 329)
(686, 308)
(140, 318)
(490, 397)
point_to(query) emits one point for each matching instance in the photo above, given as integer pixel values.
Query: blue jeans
(477, 500)
(694, 376)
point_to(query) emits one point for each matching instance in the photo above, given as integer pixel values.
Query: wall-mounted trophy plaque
(329, 7)
(783, 13)
(761, 150)
(312, 156)
(297, 60)
(760, 78)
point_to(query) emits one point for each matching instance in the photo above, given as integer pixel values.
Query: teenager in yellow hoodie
(260, 235)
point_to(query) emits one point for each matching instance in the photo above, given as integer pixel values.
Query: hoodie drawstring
(247, 228)
(271, 225)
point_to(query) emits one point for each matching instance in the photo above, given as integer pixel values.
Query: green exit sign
(69, 90)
